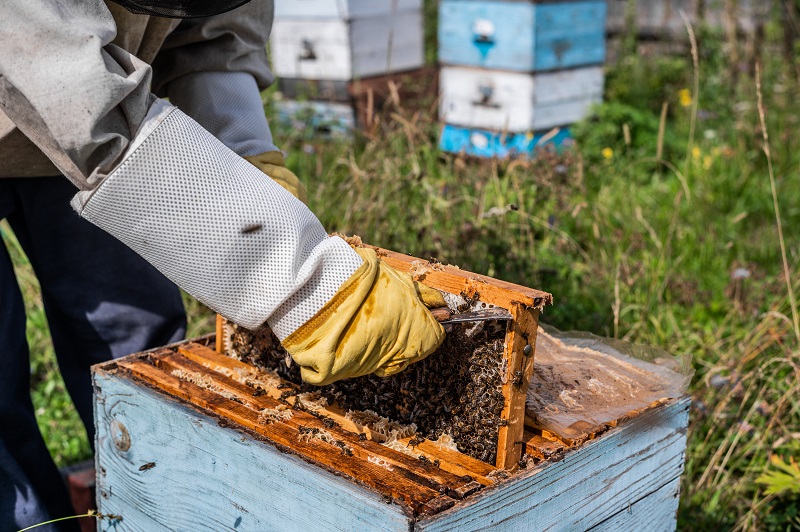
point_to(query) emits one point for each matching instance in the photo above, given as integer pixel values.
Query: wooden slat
(455, 281)
(420, 472)
(523, 327)
(422, 499)
(213, 360)
(220, 328)
(543, 448)
(452, 461)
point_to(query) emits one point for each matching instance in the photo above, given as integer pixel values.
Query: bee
(413, 442)
(517, 379)
(251, 228)
(423, 458)
(148, 465)
(328, 422)
(362, 436)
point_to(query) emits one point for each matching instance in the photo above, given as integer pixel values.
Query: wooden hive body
(181, 446)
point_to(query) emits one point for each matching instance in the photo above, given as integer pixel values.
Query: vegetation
(659, 226)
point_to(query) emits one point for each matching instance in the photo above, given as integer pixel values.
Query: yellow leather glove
(272, 164)
(376, 323)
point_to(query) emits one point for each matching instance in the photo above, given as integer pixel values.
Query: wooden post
(520, 348)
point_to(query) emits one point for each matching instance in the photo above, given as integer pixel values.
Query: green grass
(632, 247)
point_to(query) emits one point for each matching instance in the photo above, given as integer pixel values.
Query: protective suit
(172, 183)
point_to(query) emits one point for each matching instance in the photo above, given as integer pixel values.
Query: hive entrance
(455, 393)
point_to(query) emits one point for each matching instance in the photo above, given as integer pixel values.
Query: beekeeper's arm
(206, 218)
(214, 70)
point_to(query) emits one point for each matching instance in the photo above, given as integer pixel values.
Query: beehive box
(518, 102)
(522, 36)
(479, 142)
(345, 40)
(191, 439)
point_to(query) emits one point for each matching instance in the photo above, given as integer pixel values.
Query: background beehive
(513, 70)
(319, 48)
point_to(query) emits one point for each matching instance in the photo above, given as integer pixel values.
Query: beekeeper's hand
(273, 164)
(376, 323)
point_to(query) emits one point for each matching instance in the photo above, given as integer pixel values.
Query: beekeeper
(182, 183)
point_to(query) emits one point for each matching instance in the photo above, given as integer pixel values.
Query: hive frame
(523, 303)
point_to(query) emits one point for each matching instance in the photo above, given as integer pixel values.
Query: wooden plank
(419, 498)
(452, 461)
(456, 281)
(421, 472)
(590, 485)
(655, 511)
(520, 348)
(570, 34)
(207, 477)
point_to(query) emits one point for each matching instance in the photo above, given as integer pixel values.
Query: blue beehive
(522, 36)
(514, 70)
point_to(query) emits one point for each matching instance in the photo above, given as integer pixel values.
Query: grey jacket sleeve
(214, 68)
(79, 98)
(230, 42)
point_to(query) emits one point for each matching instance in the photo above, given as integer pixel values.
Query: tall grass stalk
(778, 223)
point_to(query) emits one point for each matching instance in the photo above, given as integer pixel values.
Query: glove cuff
(210, 222)
(361, 280)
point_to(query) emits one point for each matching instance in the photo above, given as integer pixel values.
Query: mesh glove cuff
(210, 222)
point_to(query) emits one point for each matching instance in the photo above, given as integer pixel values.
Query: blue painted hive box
(189, 438)
(522, 36)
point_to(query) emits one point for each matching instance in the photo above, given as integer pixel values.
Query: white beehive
(516, 101)
(330, 40)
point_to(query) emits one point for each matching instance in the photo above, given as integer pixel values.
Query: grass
(658, 228)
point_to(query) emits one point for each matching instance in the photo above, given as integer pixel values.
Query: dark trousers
(102, 301)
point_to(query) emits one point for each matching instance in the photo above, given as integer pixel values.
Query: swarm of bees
(456, 391)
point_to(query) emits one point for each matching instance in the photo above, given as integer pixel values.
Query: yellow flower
(707, 160)
(685, 97)
(696, 153)
(607, 152)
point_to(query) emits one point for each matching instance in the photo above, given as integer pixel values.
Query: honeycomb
(456, 392)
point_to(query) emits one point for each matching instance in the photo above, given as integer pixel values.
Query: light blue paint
(522, 36)
(482, 143)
